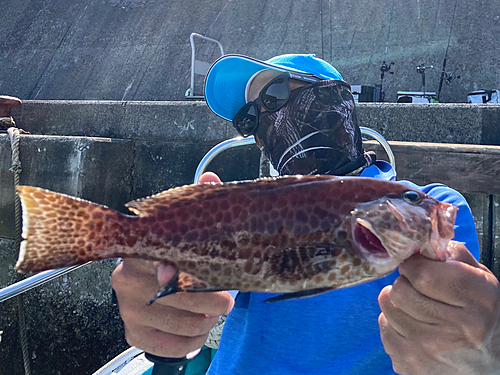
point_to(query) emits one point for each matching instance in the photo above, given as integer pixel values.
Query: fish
(294, 235)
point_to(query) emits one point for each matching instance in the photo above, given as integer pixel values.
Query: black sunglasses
(273, 96)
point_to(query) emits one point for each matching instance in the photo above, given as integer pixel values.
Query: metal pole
(34, 281)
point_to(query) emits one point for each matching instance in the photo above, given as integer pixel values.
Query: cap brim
(226, 82)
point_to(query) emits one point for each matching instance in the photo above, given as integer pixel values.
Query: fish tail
(61, 231)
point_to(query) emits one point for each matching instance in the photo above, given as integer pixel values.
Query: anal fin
(297, 295)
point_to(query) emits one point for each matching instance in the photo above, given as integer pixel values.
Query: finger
(209, 303)
(209, 177)
(419, 306)
(392, 340)
(388, 309)
(161, 343)
(411, 328)
(167, 319)
(134, 276)
(164, 273)
(452, 282)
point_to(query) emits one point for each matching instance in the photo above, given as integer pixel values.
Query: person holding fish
(437, 317)
(339, 269)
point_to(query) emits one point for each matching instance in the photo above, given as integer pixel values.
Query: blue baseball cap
(227, 79)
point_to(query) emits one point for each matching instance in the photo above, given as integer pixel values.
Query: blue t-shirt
(336, 332)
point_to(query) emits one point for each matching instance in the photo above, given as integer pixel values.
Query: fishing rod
(385, 68)
(443, 70)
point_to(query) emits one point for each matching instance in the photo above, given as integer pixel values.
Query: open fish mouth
(367, 239)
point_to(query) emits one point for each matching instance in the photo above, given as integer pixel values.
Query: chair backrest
(199, 67)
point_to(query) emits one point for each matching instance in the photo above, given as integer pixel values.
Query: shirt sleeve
(465, 229)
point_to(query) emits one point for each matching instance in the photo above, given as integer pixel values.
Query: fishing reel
(385, 68)
(448, 78)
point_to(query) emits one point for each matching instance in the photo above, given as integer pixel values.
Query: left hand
(442, 318)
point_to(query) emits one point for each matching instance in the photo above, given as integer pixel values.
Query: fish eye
(412, 197)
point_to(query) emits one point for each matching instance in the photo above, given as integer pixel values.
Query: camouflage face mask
(316, 132)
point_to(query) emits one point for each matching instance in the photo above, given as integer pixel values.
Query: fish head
(389, 230)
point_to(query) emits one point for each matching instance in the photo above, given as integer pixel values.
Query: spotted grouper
(296, 235)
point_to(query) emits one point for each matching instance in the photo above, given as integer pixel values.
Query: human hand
(442, 317)
(172, 326)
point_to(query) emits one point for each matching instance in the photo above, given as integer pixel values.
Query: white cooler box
(417, 97)
(484, 97)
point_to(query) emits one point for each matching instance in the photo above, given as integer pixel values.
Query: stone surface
(139, 49)
(194, 122)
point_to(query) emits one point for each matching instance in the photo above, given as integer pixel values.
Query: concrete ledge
(193, 121)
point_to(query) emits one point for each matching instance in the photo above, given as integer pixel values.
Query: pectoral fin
(297, 295)
(183, 282)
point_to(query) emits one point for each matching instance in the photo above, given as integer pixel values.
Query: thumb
(458, 252)
(209, 177)
(164, 272)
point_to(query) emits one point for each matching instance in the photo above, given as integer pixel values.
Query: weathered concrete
(139, 49)
(193, 121)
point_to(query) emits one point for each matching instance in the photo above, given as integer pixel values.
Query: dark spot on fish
(301, 216)
(236, 210)
(205, 272)
(261, 226)
(176, 239)
(243, 215)
(215, 267)
(313, 222)
(183, 229)
(98, 226)
(95, 215)
(161, 216)
(270, 227)
(344, 270)
(224, 205)
(204, 235)
(245, 253)
(336, 252)
(342, 234)
(191, 236)
(227, 217)
(253, 224)
(356, 262)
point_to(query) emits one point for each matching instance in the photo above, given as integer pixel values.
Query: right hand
(172, 326)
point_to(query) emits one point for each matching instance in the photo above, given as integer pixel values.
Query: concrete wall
(139, 49)
(113, 152)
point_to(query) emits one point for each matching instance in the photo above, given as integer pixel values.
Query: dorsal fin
(177, 196)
